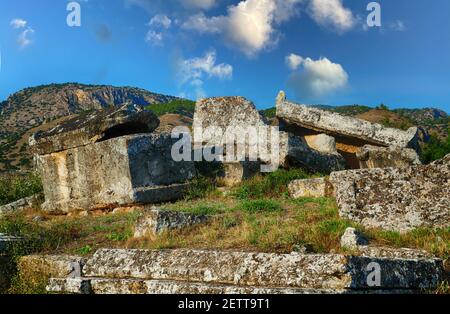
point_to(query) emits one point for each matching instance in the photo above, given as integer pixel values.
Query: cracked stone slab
(93, 127)
(317, 187)
(312, 271)
(136, 286)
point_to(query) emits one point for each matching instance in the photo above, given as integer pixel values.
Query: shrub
(435, 149)
(261, 205)
(199, 187)
(271, 185)
(179, 106)
(14, 187)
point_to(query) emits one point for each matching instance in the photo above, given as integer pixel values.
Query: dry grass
(256, 216)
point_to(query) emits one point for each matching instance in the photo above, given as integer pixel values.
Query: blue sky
(319, 51)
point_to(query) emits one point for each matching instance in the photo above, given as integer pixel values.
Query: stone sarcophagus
(107, 159)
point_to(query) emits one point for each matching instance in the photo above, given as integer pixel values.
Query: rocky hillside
(41, 107)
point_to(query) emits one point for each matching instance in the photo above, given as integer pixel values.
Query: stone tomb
(107, 159)
(351, 135)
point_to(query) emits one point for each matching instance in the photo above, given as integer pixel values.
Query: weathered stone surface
(59, 266)
(318, 187)
(322, 143)
(155, 221)
(385, 157)
(120, 171)
(393, 253)
(136, 286)
(336, 124)
(312, 271)
(396, 199)
(225, 112)
(69, 285)
(21, 204)
(295, 153)
(94, 127)
(352, 239)
(235, 172)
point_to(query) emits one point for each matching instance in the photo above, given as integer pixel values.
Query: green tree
(436, 148)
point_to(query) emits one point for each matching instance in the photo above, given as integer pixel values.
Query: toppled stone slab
(21, 204)
(336, 124)
(384, 157)
(312, 271)
(399, 199)
(136, 286)
(318, 187)
(121, 171)
(352, 239)
(94, 127)
(156, 221)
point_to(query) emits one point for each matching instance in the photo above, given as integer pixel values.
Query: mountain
(424, 116)
(43, 107)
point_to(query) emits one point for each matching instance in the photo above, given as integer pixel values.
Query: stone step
(296, 271)
(137, 286)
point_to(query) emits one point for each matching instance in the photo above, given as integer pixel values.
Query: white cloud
(154, 38)
(398, 26)
(23, 40)
(332, 14)
(160, 20)
(18, 23)
(250, 25)
(196, 68)
(194, 71)
(293, 61)
(199, 4)
(317, 78)
(203, 24)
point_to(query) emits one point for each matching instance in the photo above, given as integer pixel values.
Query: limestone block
(336, 124)
(399, 199)
(156, 221)
(385, 157)
(318, 187)
(120, 171)
(311, 271)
